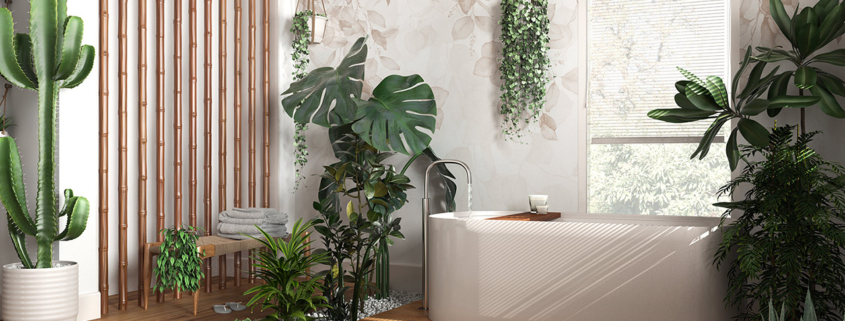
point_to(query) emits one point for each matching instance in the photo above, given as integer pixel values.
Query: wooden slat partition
(178, 115)
(142, 139)
(221, 127)
(123, 159)
(207, 141)
(251, 102)
(265, 188)
(160, 132)
(104, 157)
(177, 120)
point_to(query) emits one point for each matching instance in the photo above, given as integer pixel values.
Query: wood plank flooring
(182, 309)
(409, 312)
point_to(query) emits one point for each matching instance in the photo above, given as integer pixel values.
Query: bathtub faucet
(426, 209)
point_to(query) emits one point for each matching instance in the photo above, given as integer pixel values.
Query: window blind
(634, 47)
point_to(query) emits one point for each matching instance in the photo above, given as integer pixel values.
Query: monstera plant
(399, 117)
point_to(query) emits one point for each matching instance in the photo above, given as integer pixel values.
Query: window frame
(733, 56)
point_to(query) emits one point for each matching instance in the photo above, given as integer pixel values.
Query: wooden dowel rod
(207, 120)
(160, 130)
(104, 158)
(222, 138)
(142, 141)
(123, 159)
(265, 188)
(177, 120)
(251, 102)
(238, 103)
(237, 270)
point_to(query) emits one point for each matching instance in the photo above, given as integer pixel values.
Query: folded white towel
(253, 216)
(228, 228)
(277, 234)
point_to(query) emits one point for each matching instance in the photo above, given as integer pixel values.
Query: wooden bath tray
(527, 216)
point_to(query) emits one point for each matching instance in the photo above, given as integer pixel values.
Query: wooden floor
(410, 312)
(182, 309)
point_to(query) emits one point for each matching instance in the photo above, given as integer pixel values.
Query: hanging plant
(524, 64)
(301, 36)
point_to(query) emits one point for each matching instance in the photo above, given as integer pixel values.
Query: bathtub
(581, 267)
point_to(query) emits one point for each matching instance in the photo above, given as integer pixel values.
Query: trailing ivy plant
(301, 35)
(179, 265)
(524, 64)
(787, 233)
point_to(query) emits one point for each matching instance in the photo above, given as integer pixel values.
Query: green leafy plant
(397, 118)
(288, 289)
(50, 57)
(808, 31)
(524, 64)
(708, 99)
(301, 35)
(787, 233)
(809, 311)
(179, 265)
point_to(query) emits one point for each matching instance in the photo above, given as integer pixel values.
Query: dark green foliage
(179, 265)
(525, 63)
(300, 56)
(787, 233)
(288, 290)
(377, 191)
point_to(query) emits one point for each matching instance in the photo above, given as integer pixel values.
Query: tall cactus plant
(50, 57)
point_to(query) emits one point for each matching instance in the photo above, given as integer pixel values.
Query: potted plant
(51, 57)
(311, 23)
(397, 118)
(179, 266)
(289, 289)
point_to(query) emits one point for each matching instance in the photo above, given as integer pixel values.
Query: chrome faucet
(426, 211)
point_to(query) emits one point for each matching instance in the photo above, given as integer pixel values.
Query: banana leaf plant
(47, 59)
(708, 100)
(808, 31)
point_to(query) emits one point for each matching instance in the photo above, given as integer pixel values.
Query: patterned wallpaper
(453, 45)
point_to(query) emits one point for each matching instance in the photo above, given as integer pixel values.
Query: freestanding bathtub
(581, 267)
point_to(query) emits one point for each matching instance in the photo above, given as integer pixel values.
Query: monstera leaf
(310, 100)
(400, 106)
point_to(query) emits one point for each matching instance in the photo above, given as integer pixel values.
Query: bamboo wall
(162, 84)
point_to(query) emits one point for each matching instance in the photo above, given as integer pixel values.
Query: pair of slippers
(229, 307)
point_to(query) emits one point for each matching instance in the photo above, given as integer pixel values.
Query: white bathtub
(580, 267)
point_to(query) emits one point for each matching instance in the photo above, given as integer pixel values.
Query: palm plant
(288, 289)
(788, 236)
(47, 59)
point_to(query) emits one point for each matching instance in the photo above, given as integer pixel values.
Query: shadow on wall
(575, 271)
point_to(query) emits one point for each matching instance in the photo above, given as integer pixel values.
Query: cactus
(50, 57)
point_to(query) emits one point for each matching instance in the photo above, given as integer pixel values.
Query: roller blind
(634, 47)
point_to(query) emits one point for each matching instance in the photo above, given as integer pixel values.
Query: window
(637, 165)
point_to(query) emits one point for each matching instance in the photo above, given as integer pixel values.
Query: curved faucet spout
(426, 211)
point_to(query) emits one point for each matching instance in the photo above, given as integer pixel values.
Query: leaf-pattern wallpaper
(454, 45)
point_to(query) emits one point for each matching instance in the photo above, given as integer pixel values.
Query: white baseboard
(89, 306)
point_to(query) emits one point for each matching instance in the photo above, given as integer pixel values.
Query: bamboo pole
(238, 102)
(221, 129)
(192, 124)
(123, 177)
(142, 141)
(238, 177)
(265, 188)
(251, 116)
(177, 121)
(104, 157)
(207, 127)
(160, 131)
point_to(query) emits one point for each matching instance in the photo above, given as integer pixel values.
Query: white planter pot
(41, 294)
(318, 29)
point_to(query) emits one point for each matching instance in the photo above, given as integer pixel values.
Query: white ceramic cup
(535, 200)
(542, 209)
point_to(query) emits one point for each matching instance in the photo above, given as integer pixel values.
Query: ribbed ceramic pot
(41, 294)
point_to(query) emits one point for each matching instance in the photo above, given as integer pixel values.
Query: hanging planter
(314, 22)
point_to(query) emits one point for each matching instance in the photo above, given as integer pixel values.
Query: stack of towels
(236, 222)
